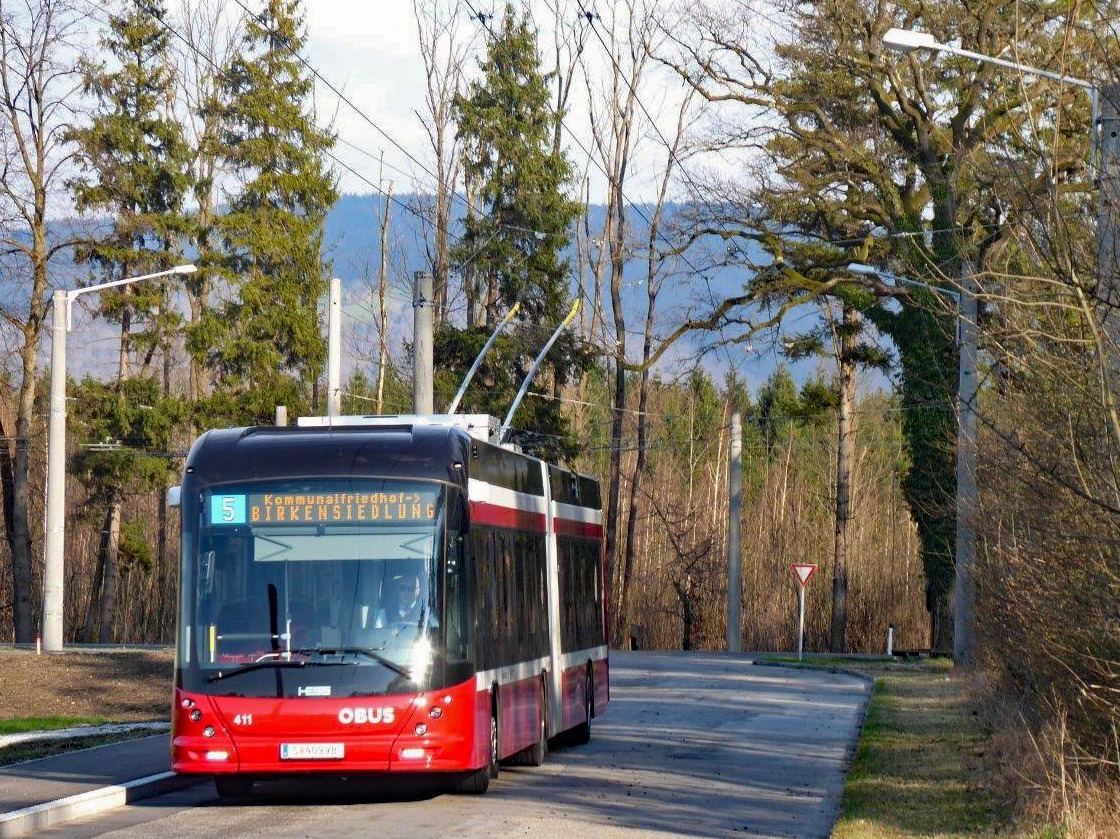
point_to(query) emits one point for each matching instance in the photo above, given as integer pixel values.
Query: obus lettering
(365, 716)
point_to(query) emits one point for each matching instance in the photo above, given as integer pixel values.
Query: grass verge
(23, 725)
(920, 770)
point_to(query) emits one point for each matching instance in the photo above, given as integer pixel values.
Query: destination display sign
(403, 507)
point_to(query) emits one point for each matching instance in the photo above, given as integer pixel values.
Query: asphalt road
(691, 745)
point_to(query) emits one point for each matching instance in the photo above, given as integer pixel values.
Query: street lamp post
(964, 552)
(905, 41)
(55, 526)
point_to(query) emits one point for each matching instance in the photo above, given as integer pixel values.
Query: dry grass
(1075, 793)
(118, 685)
(921, 768)
(945, 757)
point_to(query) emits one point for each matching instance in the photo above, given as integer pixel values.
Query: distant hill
(352, 244)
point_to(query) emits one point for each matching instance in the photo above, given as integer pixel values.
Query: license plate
(311, 751)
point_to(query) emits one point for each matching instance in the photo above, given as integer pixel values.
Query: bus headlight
(421, 657)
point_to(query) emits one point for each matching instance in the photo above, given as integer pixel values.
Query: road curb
(41, 816)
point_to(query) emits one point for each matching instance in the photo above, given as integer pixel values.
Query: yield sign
(804, 571)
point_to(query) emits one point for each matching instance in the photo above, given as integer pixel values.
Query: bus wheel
(581, 734)
(534, 755)
(493, 768)
(475, 783)
(478, 781)
(233, 786)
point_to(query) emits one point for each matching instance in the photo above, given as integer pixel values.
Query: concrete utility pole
(55, 514)
(734, 556)
(964, 579)
(422, 386)
(1109, 206)
(334, 349)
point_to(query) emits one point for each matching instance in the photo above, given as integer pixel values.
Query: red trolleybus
(381, 594)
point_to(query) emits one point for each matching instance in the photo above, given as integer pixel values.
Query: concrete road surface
(692, 744)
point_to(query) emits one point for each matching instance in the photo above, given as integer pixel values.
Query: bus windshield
(319, 573)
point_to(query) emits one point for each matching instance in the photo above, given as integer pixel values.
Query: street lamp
(964, 551)
(905, 41)
(55, 526)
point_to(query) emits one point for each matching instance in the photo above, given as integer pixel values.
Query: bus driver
(405, 605)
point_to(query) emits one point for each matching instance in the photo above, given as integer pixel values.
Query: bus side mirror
(174, 496)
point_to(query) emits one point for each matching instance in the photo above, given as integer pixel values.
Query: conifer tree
(511, 248)
(134, 165)
(267, 347)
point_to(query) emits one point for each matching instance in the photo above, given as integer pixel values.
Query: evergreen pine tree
(134, 164)
(511, 250)
(267, 345)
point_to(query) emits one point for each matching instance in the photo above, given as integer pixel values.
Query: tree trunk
(23, 578)
(618, 260)
(93, 605)
(684, 593)
(111, 567)
(844, 453)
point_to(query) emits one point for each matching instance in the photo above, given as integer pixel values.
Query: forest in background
(194, 136)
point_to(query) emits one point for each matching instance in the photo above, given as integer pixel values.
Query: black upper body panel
(268, 453)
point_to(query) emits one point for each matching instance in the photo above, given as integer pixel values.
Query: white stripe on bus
(491, 494)
(587, 515)
(513, 673)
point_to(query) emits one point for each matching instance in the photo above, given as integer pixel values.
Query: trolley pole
(734, 556)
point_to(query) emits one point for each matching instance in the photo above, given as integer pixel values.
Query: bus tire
(535, 754)
(493, 768)
(475, 783)
(233, 786)
(581, 734)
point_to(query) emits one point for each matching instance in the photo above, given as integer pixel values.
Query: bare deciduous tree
(38, 90)
(444, 52)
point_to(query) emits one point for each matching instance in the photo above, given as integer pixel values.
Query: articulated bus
(383, 595)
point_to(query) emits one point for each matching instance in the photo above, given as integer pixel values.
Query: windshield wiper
(256, 665)
(368, 652)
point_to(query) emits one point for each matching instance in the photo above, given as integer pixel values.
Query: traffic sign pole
(804, 572)
(800, 621)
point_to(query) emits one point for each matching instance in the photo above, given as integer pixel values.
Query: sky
(371, 53)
